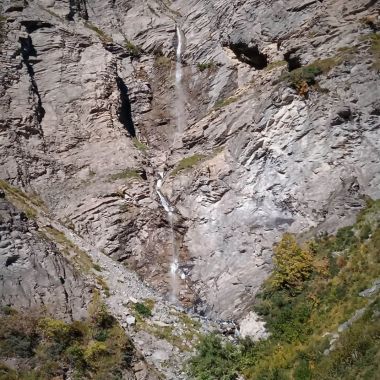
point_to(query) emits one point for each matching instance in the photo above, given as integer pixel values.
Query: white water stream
(180, 98)
(180, 127)
(174, 259)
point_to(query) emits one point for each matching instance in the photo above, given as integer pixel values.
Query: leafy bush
(303, 77)
(143, 310)
(292, 264)
(93, 349)
(132, 49)
(206, 66)
(215, 360)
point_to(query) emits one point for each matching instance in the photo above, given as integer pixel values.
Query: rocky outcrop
(87, 122)
(34, 274)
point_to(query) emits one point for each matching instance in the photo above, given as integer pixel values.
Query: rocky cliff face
(282, 129)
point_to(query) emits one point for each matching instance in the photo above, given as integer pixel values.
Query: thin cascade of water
(180, 127)
(179, 91)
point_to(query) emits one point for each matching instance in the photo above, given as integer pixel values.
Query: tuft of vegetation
(103, 36)
(303, 315)
(374, 40)
(292, 264)
(72, 252)
(29, 203)
(96, 348)
(139, 145)
(216, 360)
(225, 102)
(187, 163)
(125, 174)
(144, 310)
(206, 66)
(275, 64)
(134, 50)
(161, 61)
(303, 77)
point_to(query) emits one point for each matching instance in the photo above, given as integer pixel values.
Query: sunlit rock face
(89, 112)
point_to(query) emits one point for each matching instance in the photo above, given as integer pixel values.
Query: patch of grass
(162, 61)
(275, 64)
(143, 309)
(125, 174)
(79, 258)
(206, 66)
(52, 13)
(97, 267)
(139, 145)
(103, 284)
(134, 50)
(29, 203)
(187, 163)
(96, 348)
(225, 102)
(103, 36)
(374, 40)
(303, 77)
(300, 317)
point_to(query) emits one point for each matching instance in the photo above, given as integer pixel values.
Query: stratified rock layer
(86, 121)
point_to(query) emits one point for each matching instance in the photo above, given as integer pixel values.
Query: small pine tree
(292, 264)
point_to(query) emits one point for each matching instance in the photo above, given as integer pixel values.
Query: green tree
(292, 264)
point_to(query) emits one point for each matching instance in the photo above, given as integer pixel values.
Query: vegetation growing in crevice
(126, 174)
(96, 348)
(225, 102)
(303, 77)
(206, 66)
(275, 64)
(103, 36)
(139, 145)
(374, 41)
(187, 163)
(72, 252)
(302, 315)
(134, 50)
(29, 203)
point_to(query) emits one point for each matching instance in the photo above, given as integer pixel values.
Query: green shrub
(96, 348)
(303, 77)
(187, 163)
(142, 310)
(215, 360)
(206, 66)
(125, 174)
(225, 102)
(132, 49)
(292, 264)
(139, 145)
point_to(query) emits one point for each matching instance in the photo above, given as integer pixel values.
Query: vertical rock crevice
(125, 111)
(78, 7)
(27, 51)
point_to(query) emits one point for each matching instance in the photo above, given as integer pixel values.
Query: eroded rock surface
(34, 274)
(87, 122)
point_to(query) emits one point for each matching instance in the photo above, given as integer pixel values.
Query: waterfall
(180, 118)
(179, 91)
(174, 259)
